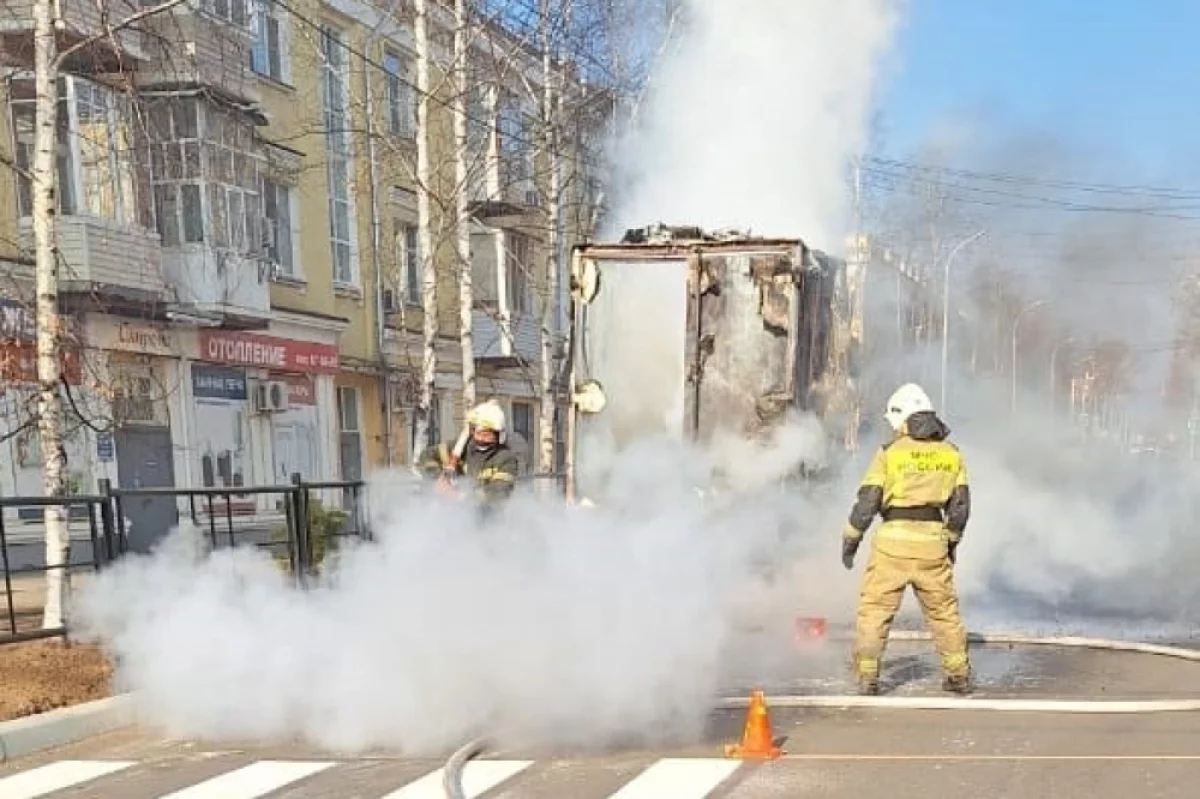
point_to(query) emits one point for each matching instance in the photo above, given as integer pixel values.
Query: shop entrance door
(145, 460)
(294, 452)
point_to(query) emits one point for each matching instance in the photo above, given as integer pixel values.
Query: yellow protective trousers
(884, 582)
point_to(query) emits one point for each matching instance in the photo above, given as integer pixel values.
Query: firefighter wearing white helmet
(481, 453)
(917, 483)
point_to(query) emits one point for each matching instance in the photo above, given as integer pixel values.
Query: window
(277, 210)
(401, 109)
(268, 54)
(349, 433)
(515, 141)
(99, 173)
(484, 270)
(337, 146)
(517, 263)
(232, 11)
(408, 260)
(521, 423)
(205, 176)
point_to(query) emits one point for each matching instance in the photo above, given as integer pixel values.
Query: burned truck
(693, 335)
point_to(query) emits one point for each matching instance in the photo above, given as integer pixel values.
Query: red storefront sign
(301, 390)
(18, 364)
(267, 352)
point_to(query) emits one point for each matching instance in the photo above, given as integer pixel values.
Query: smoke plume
(551, 624)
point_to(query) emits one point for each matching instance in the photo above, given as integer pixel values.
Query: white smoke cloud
(552, 624)
(752, 121)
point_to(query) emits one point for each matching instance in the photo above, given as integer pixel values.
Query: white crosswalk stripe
(252, 781)
(665, 778)
(678, 778)
(478, 777)
(57, 776)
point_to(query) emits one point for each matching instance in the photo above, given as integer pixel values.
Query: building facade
(239, 246)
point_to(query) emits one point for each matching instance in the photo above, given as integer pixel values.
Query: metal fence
(299, 522)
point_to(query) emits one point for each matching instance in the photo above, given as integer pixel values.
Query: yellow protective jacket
(918, 485)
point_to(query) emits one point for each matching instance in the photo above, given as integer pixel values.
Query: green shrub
(324, 525)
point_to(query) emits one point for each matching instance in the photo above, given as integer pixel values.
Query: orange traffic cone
(758, 743)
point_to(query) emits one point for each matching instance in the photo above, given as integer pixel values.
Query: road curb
(65, 725)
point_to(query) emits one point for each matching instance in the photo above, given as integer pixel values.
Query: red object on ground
(810, 628)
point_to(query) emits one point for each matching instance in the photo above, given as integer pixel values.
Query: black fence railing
(299, 522)
(92, 544)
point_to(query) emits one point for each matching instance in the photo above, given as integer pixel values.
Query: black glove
(952, 552)
(849, 550)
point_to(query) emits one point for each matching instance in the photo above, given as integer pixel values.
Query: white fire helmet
(907, 400)
(487, 416)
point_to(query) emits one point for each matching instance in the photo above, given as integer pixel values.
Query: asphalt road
(830, 753)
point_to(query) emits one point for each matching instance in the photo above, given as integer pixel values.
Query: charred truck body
(680, 333)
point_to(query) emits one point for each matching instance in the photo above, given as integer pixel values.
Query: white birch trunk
(549, 311)
(44, 180)
(462, 229)
(425, 231)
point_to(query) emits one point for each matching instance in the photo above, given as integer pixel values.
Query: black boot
(958, 684)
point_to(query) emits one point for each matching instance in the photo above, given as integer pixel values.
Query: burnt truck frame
(759, 316)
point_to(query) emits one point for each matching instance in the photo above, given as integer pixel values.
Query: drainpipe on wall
(380, 322)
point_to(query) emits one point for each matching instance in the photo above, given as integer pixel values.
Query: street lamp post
(946, 310)
(1016, 330)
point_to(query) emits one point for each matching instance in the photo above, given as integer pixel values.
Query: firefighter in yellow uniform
(917, 484)
(483, 456)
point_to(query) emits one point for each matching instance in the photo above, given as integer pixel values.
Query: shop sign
(17, 321)
(268, 352)
(148, 339)
(301, 389)
(104, 447)
(18, 363)
(218, 382)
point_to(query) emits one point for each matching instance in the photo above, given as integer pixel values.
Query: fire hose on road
(1010, 705)
(452, 775)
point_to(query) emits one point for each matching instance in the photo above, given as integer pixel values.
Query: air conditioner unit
(532, 198)
(270, 396)
(390, 303)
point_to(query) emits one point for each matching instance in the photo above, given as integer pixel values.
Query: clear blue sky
(1113, 76)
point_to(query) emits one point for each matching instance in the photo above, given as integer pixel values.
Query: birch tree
(549, 144)
(44, 187)
(462, 215)
(425, 229)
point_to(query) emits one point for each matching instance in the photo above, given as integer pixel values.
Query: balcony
(504, 322)
(207, 45)
(218, 286)
(102, 257)
(81, 21)
(505, 341)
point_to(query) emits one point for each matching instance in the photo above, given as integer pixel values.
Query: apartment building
(238, 239)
